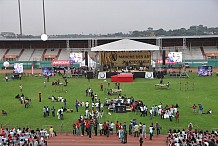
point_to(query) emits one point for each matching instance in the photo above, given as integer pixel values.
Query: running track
(112, 140)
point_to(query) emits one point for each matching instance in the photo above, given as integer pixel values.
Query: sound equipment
(120, 109)
(163, 57)
(89, 75)
(86, 58)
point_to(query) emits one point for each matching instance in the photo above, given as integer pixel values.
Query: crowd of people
(86, 126)
(90, 121)
(25, 136)
(192, 137)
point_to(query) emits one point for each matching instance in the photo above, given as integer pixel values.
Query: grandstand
(37, 55)
(64, 54)
(2, 53)
(52, 50)
(193, 47)
(25, 56)
(212, 49)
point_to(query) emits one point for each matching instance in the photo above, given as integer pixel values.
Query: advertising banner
(126, 58)
(102, 75)
(149, 75)
(60, 63)
(18, 68)
(47, 71)
(174, 57)
(205, 71)
(76, 57)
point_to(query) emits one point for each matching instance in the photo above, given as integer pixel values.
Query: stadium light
(19, 10)
(44, 36)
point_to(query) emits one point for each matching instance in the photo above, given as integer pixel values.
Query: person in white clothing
(144, 130)
(151, 130)
(112, 127)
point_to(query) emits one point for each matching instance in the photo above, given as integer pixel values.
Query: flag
(102, 75)
(149, 75)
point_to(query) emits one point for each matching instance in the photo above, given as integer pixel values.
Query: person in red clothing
(117, 125)
(101, 86)
(177, 116)
(194, 107)
(87, 127)
(2, 133)
(105, 128)
(78, 128)
(4, 113)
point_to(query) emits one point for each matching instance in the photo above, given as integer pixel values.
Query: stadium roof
(109, 38)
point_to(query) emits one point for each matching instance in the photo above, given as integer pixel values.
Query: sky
(105, 16)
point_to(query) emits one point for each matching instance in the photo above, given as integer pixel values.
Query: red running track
(112, 140)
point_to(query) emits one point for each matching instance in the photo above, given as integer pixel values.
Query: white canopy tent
(125, 45)
(91, 62)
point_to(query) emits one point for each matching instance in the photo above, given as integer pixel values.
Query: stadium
(50, 70)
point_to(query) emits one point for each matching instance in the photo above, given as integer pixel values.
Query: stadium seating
(37, 55)
(64, 55)
(2, 52)
(52, 52)
(14, 52)
(211, 49)
(25, 56)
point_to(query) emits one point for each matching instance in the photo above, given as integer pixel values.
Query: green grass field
(184, 92)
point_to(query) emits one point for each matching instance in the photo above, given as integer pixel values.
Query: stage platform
(122, 77)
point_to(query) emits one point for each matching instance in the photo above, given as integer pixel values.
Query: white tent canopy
(125, 45)
(91, 63)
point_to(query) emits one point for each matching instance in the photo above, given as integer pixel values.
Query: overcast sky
(105, 16)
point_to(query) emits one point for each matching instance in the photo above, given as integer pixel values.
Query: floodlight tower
(19, 11)
(44, 36)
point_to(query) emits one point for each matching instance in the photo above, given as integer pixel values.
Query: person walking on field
(177, 116)
(21, 88)
(101, 86)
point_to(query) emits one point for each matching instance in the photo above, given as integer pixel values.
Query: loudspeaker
(89, 75)
(86, 58)
(163, 57)
(120, 109)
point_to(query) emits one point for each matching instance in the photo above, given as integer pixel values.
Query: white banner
(102, 75)
(18, 68)
(149, 75)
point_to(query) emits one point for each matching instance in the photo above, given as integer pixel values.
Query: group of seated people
(192, 137)
(121, 100)
(57, 99)
(25, 136)
(113, 91)
(56, 82)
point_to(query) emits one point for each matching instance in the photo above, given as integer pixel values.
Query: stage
(137, 74)
(122, 77)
